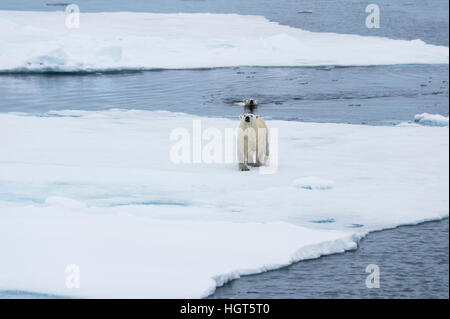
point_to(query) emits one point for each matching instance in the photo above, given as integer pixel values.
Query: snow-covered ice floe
(431, 119)
(40, 41)
(98, 190)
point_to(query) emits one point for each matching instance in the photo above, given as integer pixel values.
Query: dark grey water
(362, 95)
(413, 260)
(376, 95)
(413, 263)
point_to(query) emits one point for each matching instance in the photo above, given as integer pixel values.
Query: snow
(98, 189)
(40, 41)
(313, 182)
(125, 256)
(431, 119)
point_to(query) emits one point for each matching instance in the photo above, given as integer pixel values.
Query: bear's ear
(241, 116)
(257, 116)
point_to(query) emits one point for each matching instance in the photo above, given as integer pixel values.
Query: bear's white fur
(252, 142)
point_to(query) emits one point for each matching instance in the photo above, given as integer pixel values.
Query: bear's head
(248, 119)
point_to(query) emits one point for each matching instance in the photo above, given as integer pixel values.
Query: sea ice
(40, 41)
(431, 119)
(98, 189)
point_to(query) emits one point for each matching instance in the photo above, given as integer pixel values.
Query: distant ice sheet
(98, 189)
(40, 41)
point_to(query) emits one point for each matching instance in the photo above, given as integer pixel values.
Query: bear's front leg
(257, 164)
(243, 167)
(254, 162)
(242, 155)
(259, 158)
(262, 149)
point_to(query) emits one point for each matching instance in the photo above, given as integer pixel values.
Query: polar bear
(252, 142)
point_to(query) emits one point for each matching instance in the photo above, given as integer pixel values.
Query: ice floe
(98, 189)
(40, 42)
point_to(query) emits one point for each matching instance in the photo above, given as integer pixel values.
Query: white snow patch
(40, 41)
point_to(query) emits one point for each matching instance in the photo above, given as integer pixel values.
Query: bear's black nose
(247, 119)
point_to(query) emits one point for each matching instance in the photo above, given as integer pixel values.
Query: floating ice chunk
(431, 119)
(313, 182)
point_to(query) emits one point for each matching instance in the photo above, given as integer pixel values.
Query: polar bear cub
(253, 141)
